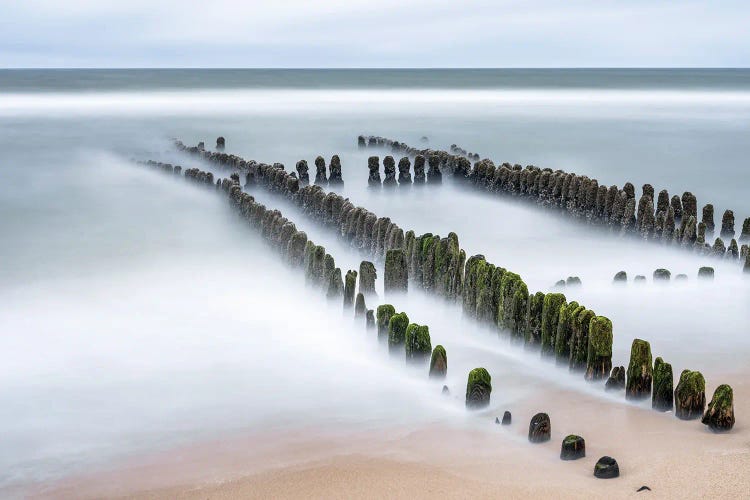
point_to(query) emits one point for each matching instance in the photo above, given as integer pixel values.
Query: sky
(374, 33)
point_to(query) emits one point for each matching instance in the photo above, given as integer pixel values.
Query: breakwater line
(566, 332)
(669, 221)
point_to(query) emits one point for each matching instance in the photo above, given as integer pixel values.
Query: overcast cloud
(368, 33)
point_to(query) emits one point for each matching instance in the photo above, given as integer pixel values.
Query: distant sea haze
(37, 80)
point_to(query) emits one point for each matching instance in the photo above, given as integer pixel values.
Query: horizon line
(374, 68)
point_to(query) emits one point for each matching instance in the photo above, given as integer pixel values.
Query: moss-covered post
(335, 178)
(360, 309)
(389, 168)
(397, 332)
(745, 233)
(708, 218)
(616, 380)
(719, 416)
(690, 395)
(417, 344)
(662, 275)
(469, 295)
(727, 225)
(396, 272)
(599, 354)
(513, 300)
(419, 175)
(335, 286)
(434, 176)
(579, 340)
(540, 428)
(478, 389)
(533, 336)
(320, 171)
(640, 371)
(309, 262)
(295, 250)
(350, 285)
(438, 363)
(367, 277)
(550, 318)
(302, 173)
(383, 317)
(662, 398)
(373, 164)
(404, 176)
(564, 332)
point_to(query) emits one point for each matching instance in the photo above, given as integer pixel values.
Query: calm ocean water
(135, 315)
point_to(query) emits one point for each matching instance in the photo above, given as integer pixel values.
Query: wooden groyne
(671, 221)
(567, 332)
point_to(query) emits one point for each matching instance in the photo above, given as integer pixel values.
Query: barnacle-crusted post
(438, 363)
(383, 316)
(599, 353)
(690, 395)
(662, 398)
(417, 344)
(478, 389)
(640, 371)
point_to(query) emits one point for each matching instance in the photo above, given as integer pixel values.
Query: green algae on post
(438, 363)
(418, 346)
(478, 389)
(383, 317)
(599, 353)
(640, 371)
(397, 327)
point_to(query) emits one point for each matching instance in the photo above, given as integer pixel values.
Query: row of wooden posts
(568, 332)
(672, 221)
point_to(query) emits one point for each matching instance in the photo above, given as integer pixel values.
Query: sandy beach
(477, 459)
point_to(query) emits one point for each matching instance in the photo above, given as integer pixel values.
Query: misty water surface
(137, 313)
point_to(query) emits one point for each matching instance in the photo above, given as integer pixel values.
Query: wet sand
(473, 458)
